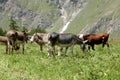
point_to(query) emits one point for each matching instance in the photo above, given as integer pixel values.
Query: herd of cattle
(50, 40)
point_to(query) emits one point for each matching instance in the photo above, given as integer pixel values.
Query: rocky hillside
(98, 16)
(32, 13)
(76, 16)
(29, 13)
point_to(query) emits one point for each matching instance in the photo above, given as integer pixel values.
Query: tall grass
(101, 64)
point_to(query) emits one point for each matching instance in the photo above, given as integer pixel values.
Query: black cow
(65, 40)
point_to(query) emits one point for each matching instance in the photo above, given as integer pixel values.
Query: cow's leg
(60, 51)
(12, 46)
(23, 48)
(72, 49)
(89, 47)
(6, 48)
(103, 44)
(51, 51)
(83, 47)
(66, 50)
(107, 44)
(41, 47)
(48, 49)
(92, 47)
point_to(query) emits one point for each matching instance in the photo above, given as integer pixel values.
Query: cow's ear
(23, 31)
(78, 35)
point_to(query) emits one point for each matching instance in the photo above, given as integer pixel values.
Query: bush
(13, 24)
(2, 32)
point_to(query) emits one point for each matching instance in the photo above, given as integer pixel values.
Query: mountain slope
(28, 13)
(75, 16)
(98, 16)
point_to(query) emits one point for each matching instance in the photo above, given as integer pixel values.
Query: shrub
(13, 24)
(2, 32)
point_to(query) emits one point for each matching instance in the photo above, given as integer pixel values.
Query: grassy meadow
(102, 64)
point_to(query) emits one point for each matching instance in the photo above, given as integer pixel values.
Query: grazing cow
(14, 36)
(64, 40)
(41, 39)
(101, 38)
(3, 39)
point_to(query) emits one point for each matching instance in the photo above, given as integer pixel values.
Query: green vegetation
(102, 64)
(13, 24)
(40, 30)
(2, 32)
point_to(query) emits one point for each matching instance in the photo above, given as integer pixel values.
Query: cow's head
(26, 36)
(16, 47)
(80, 36)
(53, 38)
(83, 46)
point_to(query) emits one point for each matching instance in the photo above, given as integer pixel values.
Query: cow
(41, 39)
(95, 39)
(15, 36)
(3, 39)
(64, 40)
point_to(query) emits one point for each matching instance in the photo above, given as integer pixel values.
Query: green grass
(102, 64)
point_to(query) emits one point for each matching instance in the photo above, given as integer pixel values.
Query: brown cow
(101, 38)
(14, 36)
(4, 40)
